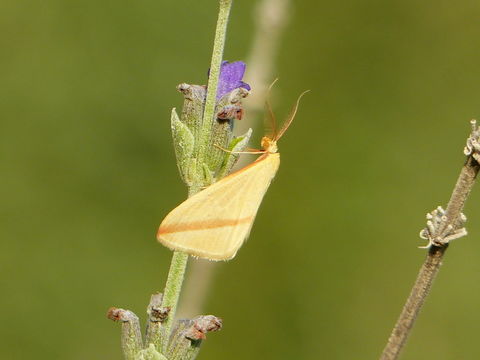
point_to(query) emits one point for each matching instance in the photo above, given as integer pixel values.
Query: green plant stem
(217, 56)
(172, 291)
(179, 260)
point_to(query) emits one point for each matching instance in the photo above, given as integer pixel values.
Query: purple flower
(231, 75)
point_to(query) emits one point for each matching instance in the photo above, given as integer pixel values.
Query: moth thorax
(269, 145)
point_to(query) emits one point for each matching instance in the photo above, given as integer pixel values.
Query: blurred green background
(87, 172)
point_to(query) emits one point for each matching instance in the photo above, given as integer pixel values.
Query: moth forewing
(214, 223)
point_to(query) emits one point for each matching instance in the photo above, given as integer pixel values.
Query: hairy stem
(172, 291)
(432, 263)
(179, 260)
(217, 56)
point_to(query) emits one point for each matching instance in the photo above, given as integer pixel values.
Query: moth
(214, 223)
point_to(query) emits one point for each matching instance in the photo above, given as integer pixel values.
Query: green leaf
(149, 353)
(183, 142)
(237, 145)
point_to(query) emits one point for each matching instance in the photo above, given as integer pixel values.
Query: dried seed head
(201, 325)
(156, 312)
(472, 148)
(439, 231)
(117, 314)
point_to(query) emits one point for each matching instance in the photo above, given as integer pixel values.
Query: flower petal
(231, 75)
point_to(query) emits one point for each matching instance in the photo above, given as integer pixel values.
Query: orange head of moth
(269, 145)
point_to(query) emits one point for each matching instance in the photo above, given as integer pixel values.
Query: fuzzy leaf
(183, 142)
(237, 145)
(208, 178)
(149, 353)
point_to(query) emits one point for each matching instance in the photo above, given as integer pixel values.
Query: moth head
(269, 145)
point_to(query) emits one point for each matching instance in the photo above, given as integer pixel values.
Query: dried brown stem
(432, 263)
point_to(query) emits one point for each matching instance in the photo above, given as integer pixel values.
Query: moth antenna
(271, 115)
(290, 117)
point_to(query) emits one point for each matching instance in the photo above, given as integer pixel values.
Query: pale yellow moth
(214, 223)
